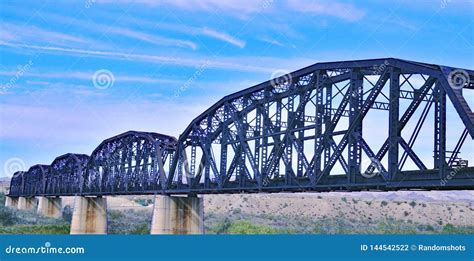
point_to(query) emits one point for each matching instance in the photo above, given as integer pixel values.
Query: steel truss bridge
(376, 124)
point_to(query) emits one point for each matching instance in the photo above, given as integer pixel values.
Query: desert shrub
(7, 216)
(245, 227)
(220, 228)
(30, 229)
(450, 229)
(143, 228)
(128, 221)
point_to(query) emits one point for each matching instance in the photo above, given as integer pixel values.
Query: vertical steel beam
(393, 122)
(355, 105)
(327, 122)
(224, 140)
(287, 142)
(265, 133)
(257, 133)
(300, 138)
(243, 133)
(207, 168)
(319, 112)
(277, 129)
(440, 130)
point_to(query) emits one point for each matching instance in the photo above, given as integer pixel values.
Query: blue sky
(171, 59)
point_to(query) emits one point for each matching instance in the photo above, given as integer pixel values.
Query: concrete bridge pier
(89, 216)
(177, 215)
(11, 202)
(50, 206)
(26, 202)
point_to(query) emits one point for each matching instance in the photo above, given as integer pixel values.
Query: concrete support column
(26, 202)
(11, 202)
(178, 215)
(89, 216)
(50, 206)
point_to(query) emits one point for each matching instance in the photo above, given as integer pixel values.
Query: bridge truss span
(132, 162)
(379, 124)
(333, 126)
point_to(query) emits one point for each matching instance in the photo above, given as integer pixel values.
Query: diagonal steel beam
(424, 89)
(412, 154)
(363, 111)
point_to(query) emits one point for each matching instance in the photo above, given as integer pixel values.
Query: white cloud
(223, 36)
(158, 40)
(225, 63)
(237, 7)
(243, 8)
(343, 11)
(28, 33)
(270, 41)
(87, 76)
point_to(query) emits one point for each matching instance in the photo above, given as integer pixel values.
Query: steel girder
(33, 180)
(17, 183)
(130, 162)
(304, 131)
(65, 173)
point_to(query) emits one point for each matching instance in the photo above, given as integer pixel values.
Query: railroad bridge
(377, 124)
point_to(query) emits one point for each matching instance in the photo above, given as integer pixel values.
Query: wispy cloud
(204, 31)
(222, 36)
(270, 41)
(243, 8)
(237, 7)
(154, 39)
(221, 63)
(343, 11)
(28, 33)
(145, 34)
(86, 76)
(34, 82)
